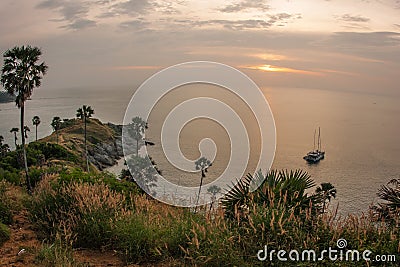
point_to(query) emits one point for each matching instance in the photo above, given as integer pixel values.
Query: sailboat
(315, 155)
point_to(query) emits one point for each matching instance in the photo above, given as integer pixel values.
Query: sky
(346, 45)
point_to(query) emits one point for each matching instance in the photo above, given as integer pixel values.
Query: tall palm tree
(202, 164)
(15, 131)
(56, 124)
(36, 122)
(326, 192)
(22, 73)
(84, 113)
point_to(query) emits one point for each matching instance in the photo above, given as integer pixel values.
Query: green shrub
(11, 175)
(55, 254)
(4, 233)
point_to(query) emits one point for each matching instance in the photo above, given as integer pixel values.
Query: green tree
(4, 148)
(84, 113)
(36, 122)
(326, 192)
(389, 210)
(56, 124)
(15, 131)
(138, 126)
(26, 130)
(143, 172)
(21, 73)
(287, 188)
(213, 190)
(202, 164)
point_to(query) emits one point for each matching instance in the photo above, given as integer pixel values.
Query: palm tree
(84, 113)
(36, 122)
(56, 124)
(4, 148)
(22, 73)
(26, 130)
(390, 209)
(202, 164)
(15, 131)
(326, 192)
(287, 188)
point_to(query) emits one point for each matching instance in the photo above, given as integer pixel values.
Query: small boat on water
(315, 155)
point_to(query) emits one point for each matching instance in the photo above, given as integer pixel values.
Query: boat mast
(315, 132)
(319, 138)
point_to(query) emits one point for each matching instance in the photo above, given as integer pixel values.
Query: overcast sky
(336, 45)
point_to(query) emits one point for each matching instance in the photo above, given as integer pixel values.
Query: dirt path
(22, 237)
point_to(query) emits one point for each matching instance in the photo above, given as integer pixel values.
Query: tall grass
(93, 215)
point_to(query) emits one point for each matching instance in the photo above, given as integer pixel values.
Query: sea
(359, 131)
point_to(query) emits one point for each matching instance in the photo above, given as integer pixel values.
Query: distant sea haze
(359, 132)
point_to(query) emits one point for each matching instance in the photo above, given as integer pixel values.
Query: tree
(138, 126)
(36, 122)
(285, 189)
(56, 124)
(143, 172)
(326, 192)
(15, 131)
(213, 190)
(202, 164)
(22, 73)
(389, 210)
(84, 113)
(4, 148)
(26, 130)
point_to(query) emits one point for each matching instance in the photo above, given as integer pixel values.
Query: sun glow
(271, 68)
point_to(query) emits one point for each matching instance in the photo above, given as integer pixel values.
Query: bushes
(5, 211)
(97, 211)
(81, 213)
(92, 215)
(4, 233)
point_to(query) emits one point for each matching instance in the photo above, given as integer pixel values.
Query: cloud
(80, 24)
(137, 23)
(131, 8)
(73, 12)
(271, 68)
(351, 18)
(367, 39)
(246, 24)
(135, 67)
(245, 5)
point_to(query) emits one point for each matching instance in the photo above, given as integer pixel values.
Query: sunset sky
(331, 45)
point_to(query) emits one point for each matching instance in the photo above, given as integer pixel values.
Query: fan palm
(84, 113)
(15, 131)
(22, 73)
(26, 130)
(326, 192)
(36, 122)
(286, 188)
(202, 164)
(390, 209)
(56, 125)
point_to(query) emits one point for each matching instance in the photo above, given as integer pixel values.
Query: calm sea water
(360, 133)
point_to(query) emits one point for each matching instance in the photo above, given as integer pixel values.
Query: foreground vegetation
(71, 210)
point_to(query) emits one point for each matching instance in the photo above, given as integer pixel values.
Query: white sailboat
(315, 155)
